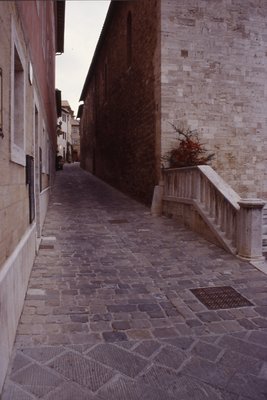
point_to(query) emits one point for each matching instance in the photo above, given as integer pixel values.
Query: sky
(83, 23)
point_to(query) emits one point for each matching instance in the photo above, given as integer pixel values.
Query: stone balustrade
(201, 199)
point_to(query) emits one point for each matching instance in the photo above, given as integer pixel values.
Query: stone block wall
(213, 74)
(14, 207)
(29, 121)
(19, 24)
(119, 124)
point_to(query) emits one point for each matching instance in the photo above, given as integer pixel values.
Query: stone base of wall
(188, 216)
(14, 277)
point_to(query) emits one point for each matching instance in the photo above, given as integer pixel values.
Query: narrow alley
(110, 315)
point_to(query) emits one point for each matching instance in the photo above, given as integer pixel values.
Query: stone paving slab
(109, 312)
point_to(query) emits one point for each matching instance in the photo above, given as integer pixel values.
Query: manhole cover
(215, 298)
(118, 221)
(46, 246)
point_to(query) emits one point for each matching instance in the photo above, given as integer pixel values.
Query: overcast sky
(83, 23)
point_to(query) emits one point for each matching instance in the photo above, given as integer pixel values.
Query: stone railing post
(249, 229)
(157, 201)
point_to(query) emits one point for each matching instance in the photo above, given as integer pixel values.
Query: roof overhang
(80, 111)
(58, 102)
(98, 48)
(60, 25)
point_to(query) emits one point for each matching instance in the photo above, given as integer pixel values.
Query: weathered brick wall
(214, 69)
(87, 131)
(124, 109)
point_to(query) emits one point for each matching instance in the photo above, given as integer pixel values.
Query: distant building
(197, 64)
(31, 33)
(64, 141)
(75, 139)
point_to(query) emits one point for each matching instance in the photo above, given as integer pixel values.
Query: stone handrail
(235, 223)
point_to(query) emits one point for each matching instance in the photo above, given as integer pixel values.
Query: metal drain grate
(215, 298)
(46, 246)
(118, 221)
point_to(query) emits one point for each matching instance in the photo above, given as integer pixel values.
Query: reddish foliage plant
(189, 151)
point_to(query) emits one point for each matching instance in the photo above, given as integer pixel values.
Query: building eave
(80, 111)
(60, 25)
(58, 102)
(98, 48)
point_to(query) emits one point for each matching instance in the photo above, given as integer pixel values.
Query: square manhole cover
(215, 298)
(118, 221)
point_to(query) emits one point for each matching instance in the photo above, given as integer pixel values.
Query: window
(129, 39)
(17, 101)
(45, 152)
(40, 168)
(38, 6)
(47, 156)
(64, 117)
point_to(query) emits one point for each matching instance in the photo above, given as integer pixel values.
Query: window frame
(17, 152)
(45, 144)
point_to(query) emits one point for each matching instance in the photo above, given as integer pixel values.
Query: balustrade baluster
(181, 181)
(177, 184)
(217, 216)
(170, 185)
(197, 186)
(189, 191)
(224, 217)
(231, 223)
(212, 202)
(228, 221)
(234, 228)
(202, 190)
(207, 200)
(185, 184)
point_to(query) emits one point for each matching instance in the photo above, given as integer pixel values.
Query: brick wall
(214, 69)
(119, 125)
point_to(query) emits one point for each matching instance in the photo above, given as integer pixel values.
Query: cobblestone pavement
(109, 314)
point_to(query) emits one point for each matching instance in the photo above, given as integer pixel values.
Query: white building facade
(64, 140)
